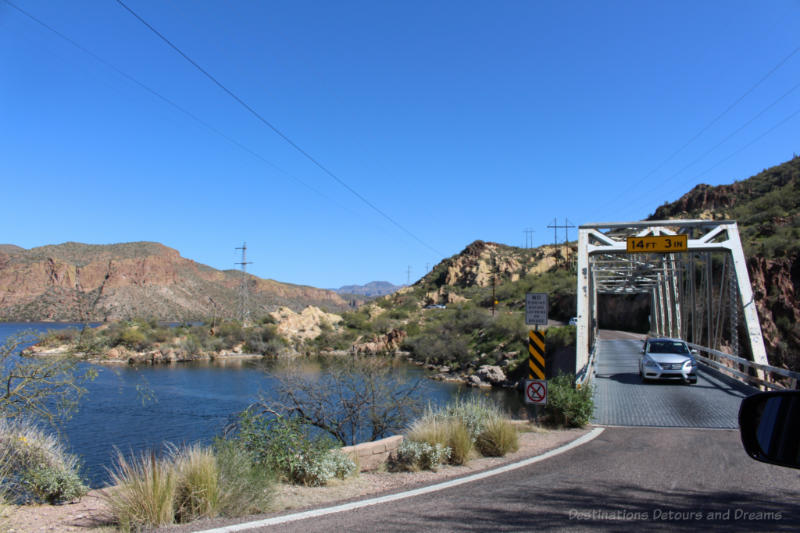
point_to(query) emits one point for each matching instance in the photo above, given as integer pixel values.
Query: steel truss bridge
(701, 293)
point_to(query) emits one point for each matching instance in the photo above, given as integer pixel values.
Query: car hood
(668, 357)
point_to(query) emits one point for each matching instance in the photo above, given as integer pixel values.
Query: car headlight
(651, 363)
(689, 363)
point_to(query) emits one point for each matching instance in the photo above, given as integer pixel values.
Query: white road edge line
(408, 494)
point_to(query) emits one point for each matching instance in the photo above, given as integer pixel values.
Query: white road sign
(536, 307)
(536, 391)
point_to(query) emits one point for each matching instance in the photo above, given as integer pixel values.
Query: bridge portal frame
(605, 266)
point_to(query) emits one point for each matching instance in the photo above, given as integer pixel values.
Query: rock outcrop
(305, 325)
(390, 342)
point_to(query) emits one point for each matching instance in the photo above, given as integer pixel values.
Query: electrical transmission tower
(244, 289)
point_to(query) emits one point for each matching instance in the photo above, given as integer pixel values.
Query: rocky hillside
(767, 209)
(76, 282)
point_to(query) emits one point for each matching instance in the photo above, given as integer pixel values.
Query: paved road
(622, 399)
(627, 479)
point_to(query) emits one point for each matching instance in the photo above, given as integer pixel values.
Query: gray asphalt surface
(622, 399)
(627, 479)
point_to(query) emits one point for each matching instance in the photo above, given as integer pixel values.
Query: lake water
(191, 402)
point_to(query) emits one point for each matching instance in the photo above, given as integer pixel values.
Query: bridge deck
(622, 399)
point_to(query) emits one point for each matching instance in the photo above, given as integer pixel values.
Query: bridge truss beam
(684, 299)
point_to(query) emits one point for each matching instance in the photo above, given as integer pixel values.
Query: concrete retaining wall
(371, 455)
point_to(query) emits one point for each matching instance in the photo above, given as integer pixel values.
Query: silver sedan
(667, 359)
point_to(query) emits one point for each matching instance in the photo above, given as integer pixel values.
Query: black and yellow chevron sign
(536, 354)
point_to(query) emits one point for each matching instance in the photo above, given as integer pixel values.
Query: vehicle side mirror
(695, 352)
(769, 423)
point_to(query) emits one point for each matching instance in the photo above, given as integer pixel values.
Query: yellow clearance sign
(658, 243)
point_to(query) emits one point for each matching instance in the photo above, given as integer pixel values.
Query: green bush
(498, 438)
(567, 405)
(247, 487)
(132, 338)
(37, 467)
(474, 411)
(289, 447)
(317, 470)
(413, 456)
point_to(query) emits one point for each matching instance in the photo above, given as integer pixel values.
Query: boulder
(492, 374)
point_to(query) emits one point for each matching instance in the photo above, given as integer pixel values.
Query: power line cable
(711, 123)
(175, 105)
(699, 158)
(741, 149)
(278, 132)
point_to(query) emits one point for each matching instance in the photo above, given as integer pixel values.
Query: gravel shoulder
(91, 514)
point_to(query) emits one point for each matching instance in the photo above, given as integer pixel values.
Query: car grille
(672, 366)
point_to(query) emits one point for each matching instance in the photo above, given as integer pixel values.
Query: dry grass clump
(144, 491)
(449, 432)
(463, 425)
(187, 484)
(199, 493)
(498, 438)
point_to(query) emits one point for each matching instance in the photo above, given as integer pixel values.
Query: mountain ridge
(76, 282)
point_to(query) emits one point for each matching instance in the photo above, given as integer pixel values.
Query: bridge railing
(738, 368)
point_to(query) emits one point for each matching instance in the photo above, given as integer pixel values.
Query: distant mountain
(76, 282)
(373, 289)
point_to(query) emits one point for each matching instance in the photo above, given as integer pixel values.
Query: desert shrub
(317, 470)
(198, 493)
(37, 467)
(5, 474)
(451, 433)
(143, 491)
(567, 405)
(132, 338)
(291, 449)
(191, 345)
(412, 456)
(60, 336)
(474, 411)
(440, 344)
(246, 486)
(498, 438)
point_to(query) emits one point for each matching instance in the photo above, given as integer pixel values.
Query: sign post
(536, 310)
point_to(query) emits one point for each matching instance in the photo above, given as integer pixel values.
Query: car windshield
(668, 347)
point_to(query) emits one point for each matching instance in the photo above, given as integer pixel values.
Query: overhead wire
(707, 126)
(168, 101)
(699, 158)
(741, 148)
(282, 135)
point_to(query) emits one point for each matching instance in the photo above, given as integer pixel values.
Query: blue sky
(457, 120)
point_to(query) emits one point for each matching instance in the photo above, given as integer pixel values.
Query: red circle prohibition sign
(535, 392)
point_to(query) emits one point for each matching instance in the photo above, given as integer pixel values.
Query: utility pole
(244, 291)
(566, 227)
(529, 237)
(494, 282)
(408, 275)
